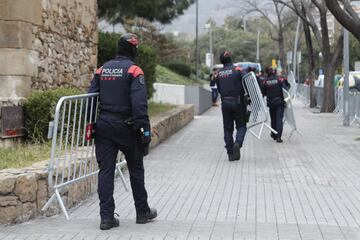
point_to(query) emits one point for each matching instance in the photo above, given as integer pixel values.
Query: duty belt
(116, 115)
(230, 98)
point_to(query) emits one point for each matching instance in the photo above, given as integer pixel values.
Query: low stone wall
(23, 192)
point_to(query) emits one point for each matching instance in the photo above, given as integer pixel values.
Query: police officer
(272, 89)
(214, 90)
(229, 82)
(123, 124)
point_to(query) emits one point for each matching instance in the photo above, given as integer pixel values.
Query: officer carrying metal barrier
(123, 124)
(230, 87)
(273, 90)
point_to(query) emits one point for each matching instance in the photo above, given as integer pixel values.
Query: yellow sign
(273, 64)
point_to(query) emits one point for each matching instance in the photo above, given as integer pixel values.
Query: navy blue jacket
(272, 89)
(229, 81)
(122, 89)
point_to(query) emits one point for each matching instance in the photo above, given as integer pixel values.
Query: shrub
(146, 58)
(39, 109)
(179, 67)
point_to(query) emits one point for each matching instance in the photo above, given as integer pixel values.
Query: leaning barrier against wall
(24, 192)
(259, 115)
(72, 156)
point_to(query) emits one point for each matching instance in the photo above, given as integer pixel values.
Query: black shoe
(279, 140)
(231, 157)
(146, 217)
(272, 135)
(236, 150)
(106, 224)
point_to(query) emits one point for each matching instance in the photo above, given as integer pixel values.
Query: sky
(215, 9)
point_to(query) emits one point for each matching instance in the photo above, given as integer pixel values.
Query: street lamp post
(197, 40)
(346, 79)
(258, 47)
(208, 27)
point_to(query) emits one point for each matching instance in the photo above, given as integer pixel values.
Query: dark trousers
(277, 115)
(113, 135)
(214, 94)
(232, 112)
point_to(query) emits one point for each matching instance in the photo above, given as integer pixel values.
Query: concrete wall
(169, 93)
(45, 44)
(199, 96)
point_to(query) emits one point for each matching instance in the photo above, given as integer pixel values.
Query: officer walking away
(213, 86)
(272, 89)
(229, 82)
(124, 125)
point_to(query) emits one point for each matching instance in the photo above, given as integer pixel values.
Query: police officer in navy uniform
(229, 82)
(124, 125)
(272, 89)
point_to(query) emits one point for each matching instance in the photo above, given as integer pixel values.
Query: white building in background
(332, 23)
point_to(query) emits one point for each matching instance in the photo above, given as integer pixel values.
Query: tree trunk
(329, 97)
(311, 59)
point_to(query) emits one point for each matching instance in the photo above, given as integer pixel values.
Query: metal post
(197, 40)
(296, 45)
(258, 47)
(211, 48)
(346, 79)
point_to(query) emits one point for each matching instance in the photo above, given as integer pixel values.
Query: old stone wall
(23, 192)
(45, 44)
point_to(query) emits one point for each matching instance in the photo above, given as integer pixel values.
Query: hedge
(39, 109)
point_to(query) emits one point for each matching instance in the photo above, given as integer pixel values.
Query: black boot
(146, 217)
(106, 224)
(279, 140)
(231, 157)
(236, 150)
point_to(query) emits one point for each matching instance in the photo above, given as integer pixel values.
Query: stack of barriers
(72, 156)
(259, 115)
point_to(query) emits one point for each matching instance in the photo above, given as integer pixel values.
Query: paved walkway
(306, 188)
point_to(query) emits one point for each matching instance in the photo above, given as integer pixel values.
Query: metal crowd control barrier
(304, 93)
(356, 119)
(289, 116)
(259, 115)
(293, 85)
(339, 109)
(72, 156)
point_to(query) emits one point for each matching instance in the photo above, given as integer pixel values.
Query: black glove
(247, 100)
(145, 141)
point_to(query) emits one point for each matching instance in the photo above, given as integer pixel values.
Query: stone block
(14, 86)
(7, 183)
(42, 193)
(15, 35)
(8, 214)
(8, 201)
(25, 212)
(24, 10)
(18, 62)
(26, 187)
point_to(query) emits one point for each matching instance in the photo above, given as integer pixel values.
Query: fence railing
(72, 157)
(354, 101)
(259, 114)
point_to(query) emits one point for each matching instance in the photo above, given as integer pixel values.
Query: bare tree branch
(345, 16)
